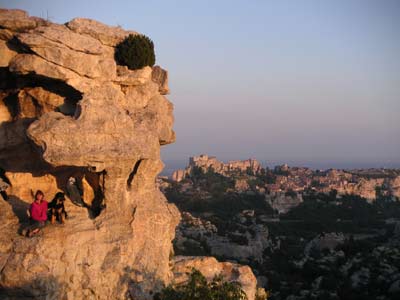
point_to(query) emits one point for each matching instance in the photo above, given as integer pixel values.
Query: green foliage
(224, 205)
(196, 174)
(326, 208)
(267, 176)
(214, 183)
(256, 181)
(135, 52)
(249, 171)
(219, 201)
(197, 288)
(388, 207)
(333, 193)
(290, 193)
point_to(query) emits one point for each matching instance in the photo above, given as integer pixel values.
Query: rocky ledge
(67, 110)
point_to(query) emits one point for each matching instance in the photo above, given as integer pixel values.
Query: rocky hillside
(67, 110)
(283, 181)
(326, 247)
(204, 163)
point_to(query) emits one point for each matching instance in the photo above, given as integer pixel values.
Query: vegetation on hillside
(197, 288)
(351, 270)
(214, 194)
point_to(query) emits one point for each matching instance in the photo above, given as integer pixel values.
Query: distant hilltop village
(367, 183)
(205, 163)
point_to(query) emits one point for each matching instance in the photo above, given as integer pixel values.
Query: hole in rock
(11, 83)
(4, 183)
(16, 45)
(12, 104)
(86, 189)
(19, 154)
(3, 176)
(133, 173)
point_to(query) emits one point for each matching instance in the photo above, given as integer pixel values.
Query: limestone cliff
(67, 110)
(72, 120)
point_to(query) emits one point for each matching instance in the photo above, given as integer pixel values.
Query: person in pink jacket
(38, 214)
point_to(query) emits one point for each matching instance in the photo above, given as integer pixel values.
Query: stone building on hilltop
(205, 163)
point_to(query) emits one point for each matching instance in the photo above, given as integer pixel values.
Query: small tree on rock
(135, 52)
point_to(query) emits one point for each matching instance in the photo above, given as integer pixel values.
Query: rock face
(178, 175)
(72, 120)
(323, 241)
(210, 267)
(282, 203)
(67, 110)
(244, 243)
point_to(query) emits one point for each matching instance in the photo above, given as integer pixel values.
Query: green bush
(135, 52)
(197, 288)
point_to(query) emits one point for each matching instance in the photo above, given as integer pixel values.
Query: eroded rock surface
(210, 267)
(71, 120)
(245, 242)
(282, 203)
(66, 112)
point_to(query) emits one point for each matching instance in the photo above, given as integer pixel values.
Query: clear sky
(312, 83)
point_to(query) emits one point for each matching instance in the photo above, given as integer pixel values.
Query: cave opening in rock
(84, 195)
(133, 173)
(98, 203)
(16, 45)
(84, 188)
(52, 90)
(11, 102)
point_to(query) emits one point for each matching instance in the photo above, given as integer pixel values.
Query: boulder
(178, 175)
(25, 64)
(324, 241)
(210, 268)
(160, 76)
(127, 77)
(282, 203)
(16, 20)
(7, 54)
(107, 35)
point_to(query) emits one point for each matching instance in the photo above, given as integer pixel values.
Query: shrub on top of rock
(135, 52)
(197, 288)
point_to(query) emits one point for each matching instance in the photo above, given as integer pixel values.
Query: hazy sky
(307, 82)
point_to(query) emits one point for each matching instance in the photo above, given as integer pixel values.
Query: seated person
(57, 209)
(38, 214)
(74, 192)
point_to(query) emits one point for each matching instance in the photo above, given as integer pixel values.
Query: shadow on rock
(42, 288)
(138, 287)
(19, 208)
